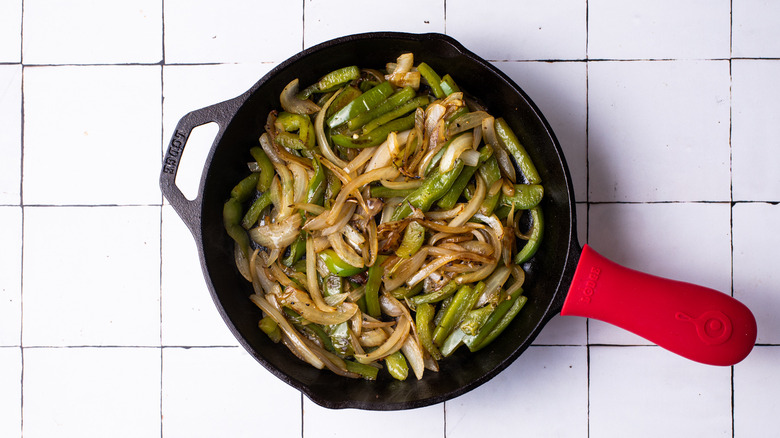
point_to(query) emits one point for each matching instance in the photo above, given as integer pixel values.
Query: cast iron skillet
(563, 277)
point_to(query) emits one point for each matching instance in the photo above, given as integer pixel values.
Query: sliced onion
(285, 326)
(302, 303)
(499, 150)
(261, 281)
(362, 158)
(242, 262)
(322, 139)
(405, 269)
(344, 251)
(346, 191)
(393, 343)
(385, 153)
(402, 185)
(493, 286)
(465, 122)
(470, 158)
(473, 206)
(373, 338)
(414, 354)
(300, 182)
(430, 268)
(342, 219)
(277, 235)
(292, 104)
(311, 276)
(454, 150)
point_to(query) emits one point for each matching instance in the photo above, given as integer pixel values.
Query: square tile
(755, 33)
(682, 241)
(203, 31)
(91, 392)
(11, 276)
(189, 316)
(520, 30)
(209, 392)
(568, 330)
(324, 20)
(191, 87)
(649, 392)
(558, 89)
(755, 121)
(756, 280)
(10, 133)
(654, 30)
(544, 393)
(10, 391)
(92, 135)
(319, 422)
(658, 131)
(88, 32)
(755, 396)
(94, 274)
(10, 30)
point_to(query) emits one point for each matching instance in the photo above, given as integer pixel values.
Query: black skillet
(563, 277)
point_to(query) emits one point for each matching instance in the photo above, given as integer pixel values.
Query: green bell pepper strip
(338, 266)
(432, 78)
(315, 193)
(508, 138)
(535, 238)
(349, 94)
(448, 85)
(502, 324)
(453, 341)
(390, 103)
(451, 197)
(403, 292)
(443, 306)
(475, 340)
(331, 81)
(490, 173)
(526, 196)
(445, 292)
(290, 122)
(257, 207)
(297, 250)
(410, 105)
(464, 300)
(245, 188)
(232, 213)
(384, 192)
(266, 168)
(376, 136)
(412, 241)
(332, 187)
(289, 141)
(270, 328)
(424, 322)
(368, 372)
(432, 189)
(361, 104)
(476, 318)
(397, 366)
(373, 284)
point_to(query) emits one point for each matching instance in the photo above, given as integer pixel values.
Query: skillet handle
(695, 322)
(221, 114)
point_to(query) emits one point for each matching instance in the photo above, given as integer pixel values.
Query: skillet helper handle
(695, 322)
(220, 113)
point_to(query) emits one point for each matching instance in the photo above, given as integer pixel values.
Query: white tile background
(667, 112)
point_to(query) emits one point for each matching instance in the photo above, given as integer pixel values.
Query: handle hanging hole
(192, 161)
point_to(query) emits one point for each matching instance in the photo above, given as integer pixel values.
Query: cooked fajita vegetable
(384, 221)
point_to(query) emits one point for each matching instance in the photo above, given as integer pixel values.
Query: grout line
(587, 203)
(731, 187)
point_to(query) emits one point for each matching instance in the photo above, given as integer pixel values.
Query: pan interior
(547, 272)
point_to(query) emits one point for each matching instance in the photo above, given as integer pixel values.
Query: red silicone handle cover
(695, 322)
